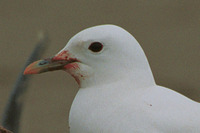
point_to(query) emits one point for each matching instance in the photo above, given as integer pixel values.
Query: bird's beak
(58, 62)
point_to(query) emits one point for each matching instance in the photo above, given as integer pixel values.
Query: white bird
(117, 92)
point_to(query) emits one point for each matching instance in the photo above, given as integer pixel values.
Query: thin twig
(12, 113)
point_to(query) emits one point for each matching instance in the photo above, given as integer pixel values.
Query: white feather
(118, 93)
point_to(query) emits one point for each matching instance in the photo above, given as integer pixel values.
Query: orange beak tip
(28, 71)
(31, 69)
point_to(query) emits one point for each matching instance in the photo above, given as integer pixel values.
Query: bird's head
(96, 55)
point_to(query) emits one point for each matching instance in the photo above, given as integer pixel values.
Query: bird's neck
(137, 79)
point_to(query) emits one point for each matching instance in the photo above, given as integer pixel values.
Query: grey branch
(12, 113)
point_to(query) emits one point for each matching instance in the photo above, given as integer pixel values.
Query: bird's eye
(95, 47)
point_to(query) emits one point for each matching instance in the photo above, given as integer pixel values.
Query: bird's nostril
(43, 62)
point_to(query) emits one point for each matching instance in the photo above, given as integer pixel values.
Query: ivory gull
(117, 92)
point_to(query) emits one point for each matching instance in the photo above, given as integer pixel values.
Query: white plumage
(121, 96)
(118, 93)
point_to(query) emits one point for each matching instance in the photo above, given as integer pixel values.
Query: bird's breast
(98, 111)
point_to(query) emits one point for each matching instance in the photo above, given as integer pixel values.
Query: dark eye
(95, 47)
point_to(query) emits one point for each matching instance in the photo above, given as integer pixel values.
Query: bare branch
(12, 113)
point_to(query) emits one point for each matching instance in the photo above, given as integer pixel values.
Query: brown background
(169, 32)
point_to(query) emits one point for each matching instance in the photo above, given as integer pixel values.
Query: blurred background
(168, 31)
